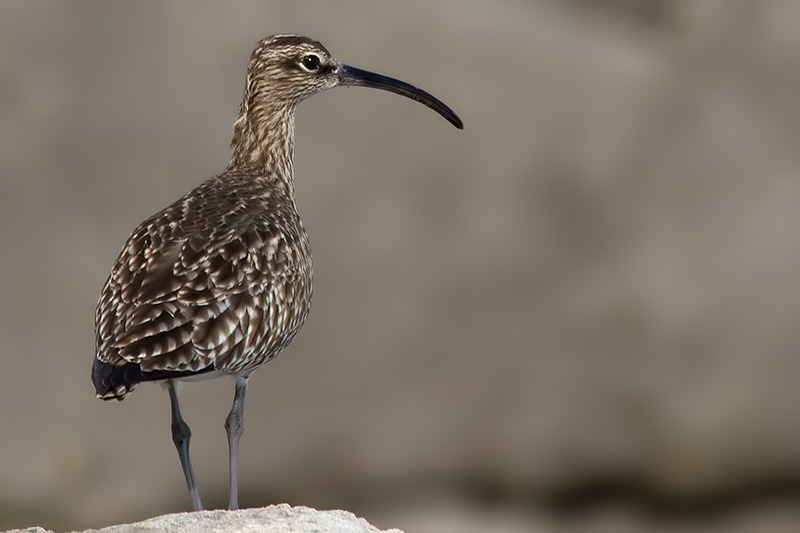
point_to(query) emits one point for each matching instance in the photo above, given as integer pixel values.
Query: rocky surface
(281, 518)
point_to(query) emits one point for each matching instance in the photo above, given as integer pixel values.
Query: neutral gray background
(587, 300)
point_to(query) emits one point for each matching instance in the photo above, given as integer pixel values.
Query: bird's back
(218, 281)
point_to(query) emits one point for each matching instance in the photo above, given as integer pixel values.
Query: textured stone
(275, 518)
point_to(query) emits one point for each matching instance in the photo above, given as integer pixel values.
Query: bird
(220, 281)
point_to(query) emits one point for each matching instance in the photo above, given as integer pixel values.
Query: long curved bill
(355, 76)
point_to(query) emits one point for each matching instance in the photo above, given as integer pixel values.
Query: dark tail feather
(115, 382)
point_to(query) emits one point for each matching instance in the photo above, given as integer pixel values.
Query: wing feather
(198, 284)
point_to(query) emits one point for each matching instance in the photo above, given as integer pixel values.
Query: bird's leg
(234, 425)
(180, 436)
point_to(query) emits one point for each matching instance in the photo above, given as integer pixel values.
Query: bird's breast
(280, 295)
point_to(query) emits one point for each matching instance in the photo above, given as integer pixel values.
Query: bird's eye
(310, 62)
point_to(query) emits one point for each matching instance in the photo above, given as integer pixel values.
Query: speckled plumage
(221, 279)
(219, 282)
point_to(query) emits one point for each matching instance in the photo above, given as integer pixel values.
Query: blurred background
(580, 313)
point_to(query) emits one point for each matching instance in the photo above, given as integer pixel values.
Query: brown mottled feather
(189, 289)
(221, 279)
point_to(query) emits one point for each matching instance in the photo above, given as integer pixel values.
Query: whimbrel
(219, 282)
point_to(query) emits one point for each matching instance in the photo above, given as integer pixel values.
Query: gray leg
(180, 436)
(234, 425)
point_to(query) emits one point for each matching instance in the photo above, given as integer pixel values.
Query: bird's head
(286, 69)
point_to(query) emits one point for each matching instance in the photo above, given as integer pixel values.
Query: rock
(275, 518)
